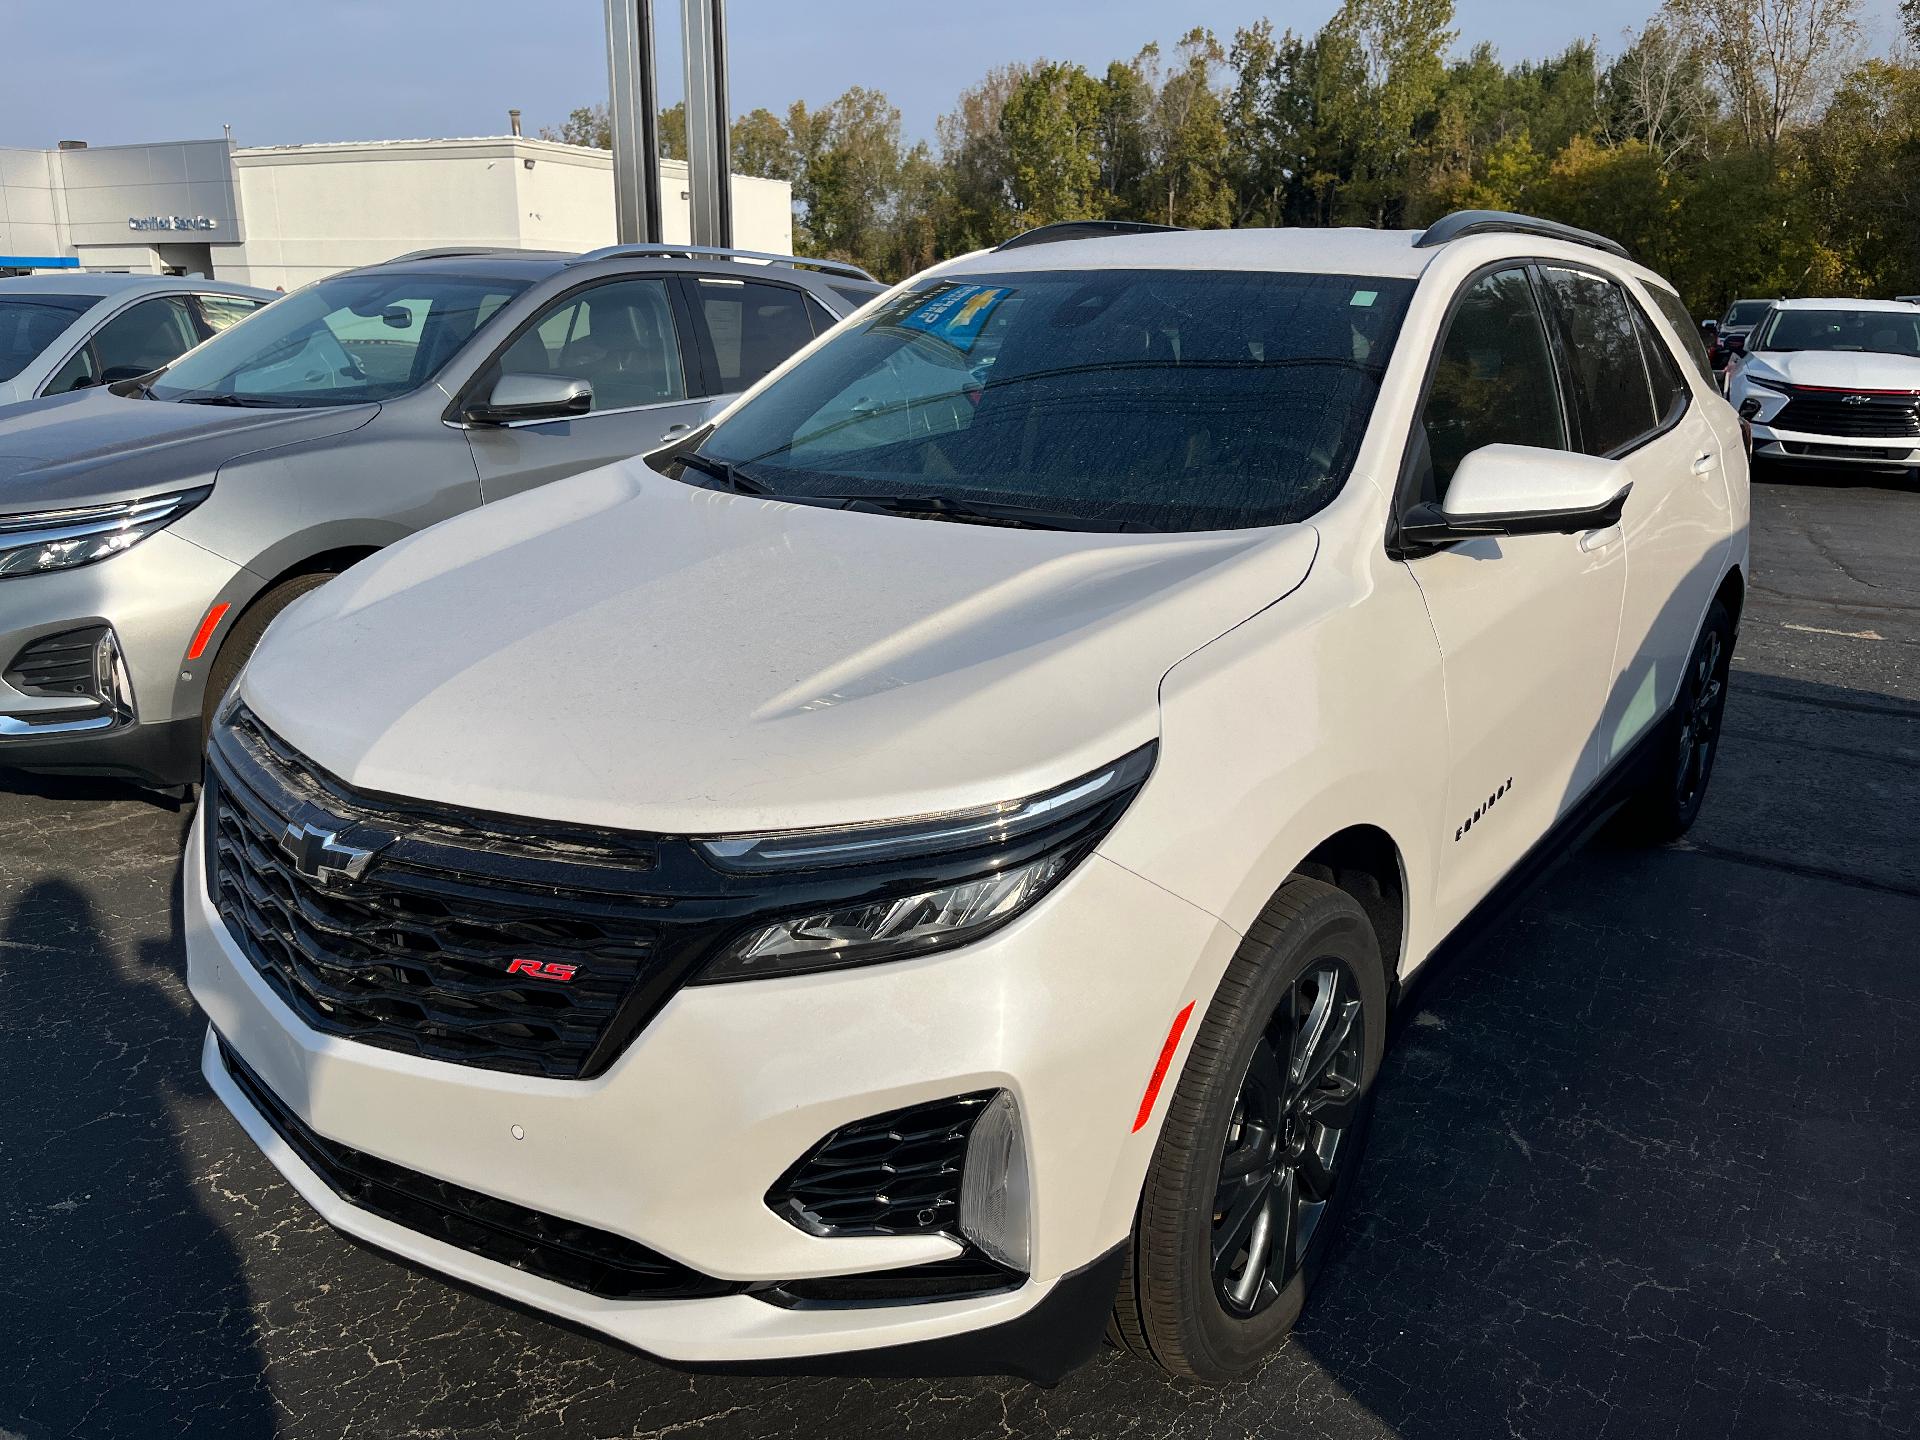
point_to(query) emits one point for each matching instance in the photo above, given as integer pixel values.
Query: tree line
(1740, 147)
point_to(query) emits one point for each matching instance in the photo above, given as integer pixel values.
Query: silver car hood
(94, 446)
(623, 650)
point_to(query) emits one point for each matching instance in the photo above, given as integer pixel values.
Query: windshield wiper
(726, 472)
(236, 400)
(948, 507)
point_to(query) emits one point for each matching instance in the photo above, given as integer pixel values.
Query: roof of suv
(1897, 307)
(103, 284)
(537, 265)
(1314, 251)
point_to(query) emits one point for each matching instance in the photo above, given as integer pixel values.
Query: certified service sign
(172, 222)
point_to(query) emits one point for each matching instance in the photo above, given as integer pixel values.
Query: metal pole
(704, 30)
(633, 112)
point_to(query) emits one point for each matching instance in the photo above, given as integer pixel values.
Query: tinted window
(1670, 392)
(1746, 312)
(1162, 400)
(1880, 332)
(1492, 380)
(30, 323)
(220, 311)
(1675, 314)
(1612, 400)
(619, 338)
(144, 337)
(355, 338)
(80, 370)
(751, 327)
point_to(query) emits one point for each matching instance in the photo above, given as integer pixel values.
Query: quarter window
(1492, 380)
(752, 328)
(1612, 398)
(620, 338)
(1676, 315)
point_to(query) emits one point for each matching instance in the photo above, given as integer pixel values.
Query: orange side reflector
(1160, 1066)
(205, 632)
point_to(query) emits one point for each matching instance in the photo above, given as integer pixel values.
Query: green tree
(975, 199)
(847, 171)
(1188, 135)
(1382, 64)
(1051, 125)
(758, 144)
(1773, 60)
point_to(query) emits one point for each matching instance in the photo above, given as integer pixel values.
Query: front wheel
(1665, 807)
(1262, 1137)
(238, 647)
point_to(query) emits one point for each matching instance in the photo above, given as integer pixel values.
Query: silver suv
(332, 423)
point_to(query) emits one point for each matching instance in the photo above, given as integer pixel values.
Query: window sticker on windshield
(1364, 298)
(954, 314)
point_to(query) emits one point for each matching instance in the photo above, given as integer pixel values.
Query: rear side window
(220, 311)
(1675, 314)
(30, 323)
(752, 327)
(1612, 399)
(1492, 380)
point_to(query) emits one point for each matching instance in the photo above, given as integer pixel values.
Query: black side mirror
(532, 397)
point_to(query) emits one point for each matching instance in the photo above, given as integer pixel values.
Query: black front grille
(418, 953)
(891, 1174)
(596, 1261)
(1844, 452)
(1820, 412)
(58, 664)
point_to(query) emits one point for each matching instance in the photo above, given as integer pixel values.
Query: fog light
(1750, 407)
(995, 1198)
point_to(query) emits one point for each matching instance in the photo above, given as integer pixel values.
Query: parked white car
(67, 331)
(915, 877)
(1833, 382)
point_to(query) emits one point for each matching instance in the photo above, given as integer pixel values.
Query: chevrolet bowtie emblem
(318, 854)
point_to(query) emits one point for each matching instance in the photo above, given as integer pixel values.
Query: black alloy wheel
(1279, 1167)
(1703, 700)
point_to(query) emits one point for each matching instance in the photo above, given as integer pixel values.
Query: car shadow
(124, 1307)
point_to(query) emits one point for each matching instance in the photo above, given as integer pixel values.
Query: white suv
(916, 876)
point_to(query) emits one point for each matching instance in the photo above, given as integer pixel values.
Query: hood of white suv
(1836, 369)
(624, 650)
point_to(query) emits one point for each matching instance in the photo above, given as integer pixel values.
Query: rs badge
(542, 969)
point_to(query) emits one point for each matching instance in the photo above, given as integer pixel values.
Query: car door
(1633, 405)
(623, 337)
(1526, 624)
(745, 328)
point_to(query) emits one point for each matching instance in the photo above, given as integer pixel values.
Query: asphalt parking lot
(1647, 1159)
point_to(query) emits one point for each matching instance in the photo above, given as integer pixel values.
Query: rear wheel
(1262, 1137)
(1667, 805)
(238, 647)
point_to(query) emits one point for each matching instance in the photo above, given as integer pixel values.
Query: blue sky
(115, 71)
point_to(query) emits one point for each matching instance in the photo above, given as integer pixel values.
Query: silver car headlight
(46, 540)
(906, 888)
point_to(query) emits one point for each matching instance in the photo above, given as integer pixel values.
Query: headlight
(62, 539)
(987, 866)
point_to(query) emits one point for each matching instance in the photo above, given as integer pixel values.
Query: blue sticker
(954, 314)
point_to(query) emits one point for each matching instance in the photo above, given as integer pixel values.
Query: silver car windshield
(344, 341)
(1154, 400)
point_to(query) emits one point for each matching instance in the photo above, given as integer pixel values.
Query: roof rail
(1462, 223)
(1081, 230)
(451, 252)
(717, 252)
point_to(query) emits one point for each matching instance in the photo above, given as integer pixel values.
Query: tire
(1665, 807)
(239, 645)
(1211, 1317)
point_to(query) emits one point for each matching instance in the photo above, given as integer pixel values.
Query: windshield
(1880, 332)
(30, 323)
(345, 341)
(1157, 400)
(1747, 312)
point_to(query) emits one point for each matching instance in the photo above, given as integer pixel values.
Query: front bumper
(152, 598)
(1796, 447)
(677, 1144)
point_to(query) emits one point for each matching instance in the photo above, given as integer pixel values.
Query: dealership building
(282, 215)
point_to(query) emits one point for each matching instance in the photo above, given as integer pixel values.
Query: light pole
(633, 105)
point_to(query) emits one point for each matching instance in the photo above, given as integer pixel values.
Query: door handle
(1599, 539)
(1703, 462)
(680, 428)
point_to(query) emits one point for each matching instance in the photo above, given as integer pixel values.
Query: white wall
(29, 220)
(312, 210)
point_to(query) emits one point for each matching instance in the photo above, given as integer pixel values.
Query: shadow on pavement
(124, 1309)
